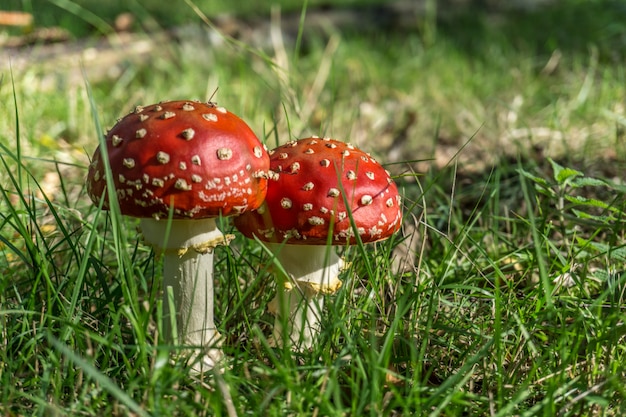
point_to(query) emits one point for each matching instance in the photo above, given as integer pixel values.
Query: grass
(91, 17)
(511, 303)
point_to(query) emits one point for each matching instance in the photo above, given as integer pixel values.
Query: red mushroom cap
(197, 157)
(304, 199)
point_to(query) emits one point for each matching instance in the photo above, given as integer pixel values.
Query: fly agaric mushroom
(316, 186)
(192, 161)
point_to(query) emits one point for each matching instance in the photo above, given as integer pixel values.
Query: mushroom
(177, 166)
(316, 188)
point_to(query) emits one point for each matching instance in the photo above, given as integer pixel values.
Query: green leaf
(586, 216)
(534, 178)
(617, 187)
(562, 174)
(589, 182)
(541, 185)
(590, 202)
(612, 252)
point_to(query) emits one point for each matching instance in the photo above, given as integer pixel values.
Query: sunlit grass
(510, 302)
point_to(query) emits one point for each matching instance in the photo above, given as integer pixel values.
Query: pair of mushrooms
(178, 165)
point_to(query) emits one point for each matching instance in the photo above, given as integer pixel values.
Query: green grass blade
(93, 372)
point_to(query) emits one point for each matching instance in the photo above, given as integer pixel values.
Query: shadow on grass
(569, 26)
(473, 26)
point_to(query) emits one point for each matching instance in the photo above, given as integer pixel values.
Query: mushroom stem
(188, 270)
(313, 271)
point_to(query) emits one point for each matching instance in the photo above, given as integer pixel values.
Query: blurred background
(419, 81)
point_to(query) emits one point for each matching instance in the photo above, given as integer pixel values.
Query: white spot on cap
(370, 175)
(128, 162)
(140, 133)
(374, 231)
(307, 207)
(315, 221)
(188, 107)
(163, 157)
(158, 182)
(325, 163)
(221, 109)
(333, 192)
(188, 133)
(258, 152)
(259, 174)
(168, 115)
(308, 186)
(283, 155)
(295, 167)
(351, 175)
(285, 203)
(196, 160)
(292, 233)
(182, 165)
(389, 202)
(116, 140)
(181, 184)
(196, 178)
(211, 117)
(366, 200)
(224, 154)
(143, 117)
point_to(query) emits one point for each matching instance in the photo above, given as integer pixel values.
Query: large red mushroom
(321, 192)
(177, 166)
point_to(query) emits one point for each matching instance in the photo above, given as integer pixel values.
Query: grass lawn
(502, 295)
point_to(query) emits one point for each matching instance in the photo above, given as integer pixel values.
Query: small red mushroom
(193, 162)
(316, 186)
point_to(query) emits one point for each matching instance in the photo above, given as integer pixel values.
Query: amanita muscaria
(192, 162)
(316, 186)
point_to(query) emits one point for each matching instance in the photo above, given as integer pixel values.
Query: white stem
(188, 271)
(313, 271)
(298, 317)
